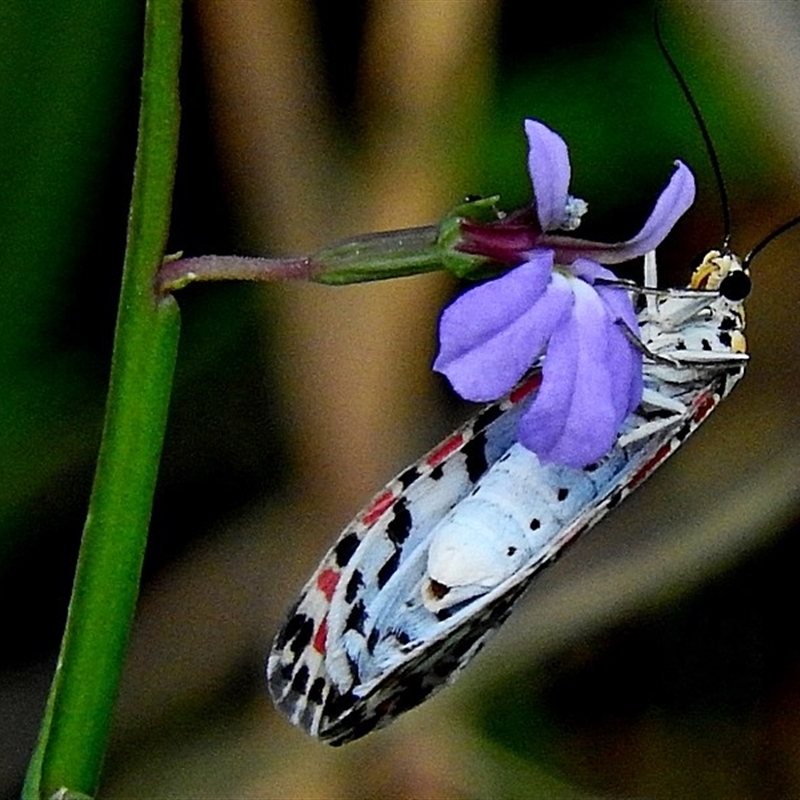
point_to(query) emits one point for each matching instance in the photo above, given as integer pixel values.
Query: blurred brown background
(659, 658)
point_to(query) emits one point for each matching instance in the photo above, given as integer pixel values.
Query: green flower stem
(75, 730)
(371, 257)
(377, 256)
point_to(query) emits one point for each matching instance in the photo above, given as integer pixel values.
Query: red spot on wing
(321, 636)
(456, 441)
(704, 406)
(524, 389)
(447, 447)
(326, 582)
(379, 505)
(651, 465)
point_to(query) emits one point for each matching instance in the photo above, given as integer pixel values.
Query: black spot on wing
(388, 569)
(614, 499)
(353, 585)
(345, 548)
(400, 525)
(372, 639)
(535, 524)
(299, 630)
(303, 638)
(563, 494)
(356, 618)
(487, 417)
(475, 454)
(408, 477)
(705, 344)
(437, 472)
(300, 681)
(315, 692)
(724, 338)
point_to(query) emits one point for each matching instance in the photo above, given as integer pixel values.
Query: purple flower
(552, 305)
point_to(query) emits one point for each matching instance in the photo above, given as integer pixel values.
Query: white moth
(416, 583)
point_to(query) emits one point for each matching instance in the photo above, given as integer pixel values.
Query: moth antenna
(701, 124)
(769, 238)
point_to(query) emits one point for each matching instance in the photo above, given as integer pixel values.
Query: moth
(418, 581)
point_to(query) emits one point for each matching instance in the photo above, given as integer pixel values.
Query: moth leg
(646, 430)
(695, 358)
(644, 349)
(655, 399)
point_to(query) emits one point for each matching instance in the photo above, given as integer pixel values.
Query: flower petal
(670, 206)
(491, 335)
(548, 165)
(573, 419)
(590, 271)
(624, 359)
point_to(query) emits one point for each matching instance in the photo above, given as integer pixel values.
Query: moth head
(723, 273)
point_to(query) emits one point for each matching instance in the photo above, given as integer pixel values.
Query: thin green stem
(75, 730)
(370, 257)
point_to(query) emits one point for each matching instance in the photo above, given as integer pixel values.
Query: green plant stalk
(75, 730)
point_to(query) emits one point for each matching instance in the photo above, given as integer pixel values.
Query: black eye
(735, 286)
